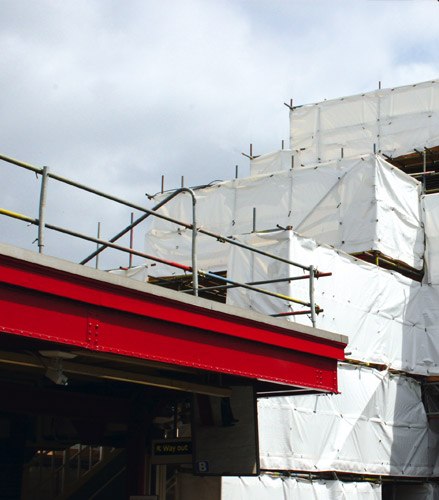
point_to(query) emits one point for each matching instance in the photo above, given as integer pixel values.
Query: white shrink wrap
(390, 320)
(430, 217)
(267, 487)
(392, 121)
(356, 204)
(272, 162)
(376, 425)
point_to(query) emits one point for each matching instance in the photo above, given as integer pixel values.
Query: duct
(376, 425)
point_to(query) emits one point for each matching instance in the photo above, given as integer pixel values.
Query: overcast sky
(117, 93)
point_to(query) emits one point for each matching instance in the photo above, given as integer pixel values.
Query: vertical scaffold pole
(424, 178)
(130, 264)
(42, 210)
(194, 243)
(311, 295)
(98, 234)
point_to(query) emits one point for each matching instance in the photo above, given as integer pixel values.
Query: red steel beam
(93, 310)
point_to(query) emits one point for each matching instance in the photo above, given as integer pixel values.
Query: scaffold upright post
(424, 169)
(42, 209)
(311, 295)
(194, 243)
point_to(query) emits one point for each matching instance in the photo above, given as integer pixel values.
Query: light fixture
(54, 370)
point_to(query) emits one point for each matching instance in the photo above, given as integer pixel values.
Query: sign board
(171, 451)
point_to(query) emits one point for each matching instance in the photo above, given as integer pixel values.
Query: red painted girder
(49, 304)
(35, 315)
(60, 283)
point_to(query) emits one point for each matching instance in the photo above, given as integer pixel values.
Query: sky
(116, 94)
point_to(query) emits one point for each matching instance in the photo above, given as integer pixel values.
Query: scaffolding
(192, 270)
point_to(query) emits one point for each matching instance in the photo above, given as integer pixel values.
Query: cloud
(117, 94)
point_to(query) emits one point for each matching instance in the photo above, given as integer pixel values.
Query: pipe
(232, 241)
(130, 261)
(27, 166)
(42, 209)
(15, 215)
(419, 174)
(424, 180)
(294, 313)
(93, 191)
(97, 245)
(194, 242)
(311, 296)
(116, 247)
(263, 282)
(249, 287)
(141, 219)
(152, 212)
(157, 259)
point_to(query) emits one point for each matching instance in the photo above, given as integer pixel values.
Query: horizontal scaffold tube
(263, 282)
(135, 223)
(156, 259)
(255, 289)
(35, 222)
(218, 237)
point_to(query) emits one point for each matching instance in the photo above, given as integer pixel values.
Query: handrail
(102, 244)
(162, 261)
(145, 216)
(60, 477)
(218, 237)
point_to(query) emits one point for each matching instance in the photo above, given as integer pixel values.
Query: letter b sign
(202, 467)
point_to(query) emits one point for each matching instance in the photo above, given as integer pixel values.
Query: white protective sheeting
(138, 273)
(267, 487)
(377, 425)
(356, 204)
(430, 217)
(390, 320)
(396, 120)
(272, 162)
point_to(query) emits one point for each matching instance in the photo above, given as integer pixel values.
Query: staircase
(78, 472)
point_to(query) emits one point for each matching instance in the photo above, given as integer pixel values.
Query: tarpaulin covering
(390, 320)
(395, 120)
(357, 204)
(272, 162)
(267, 487)
(377, 425)
(138, 273)
(430, 217)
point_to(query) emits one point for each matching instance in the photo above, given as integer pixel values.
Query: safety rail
(46, 174)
